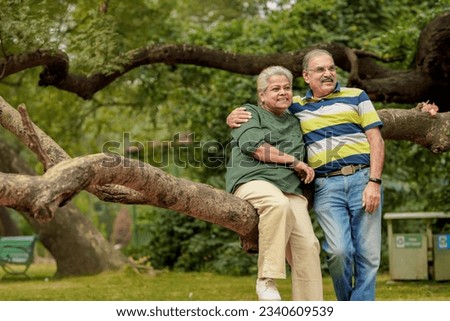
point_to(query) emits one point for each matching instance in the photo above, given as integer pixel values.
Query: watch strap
(375, 180)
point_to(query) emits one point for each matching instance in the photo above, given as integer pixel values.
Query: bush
(179, 242)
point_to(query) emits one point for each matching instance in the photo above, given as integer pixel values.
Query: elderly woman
(266, 169)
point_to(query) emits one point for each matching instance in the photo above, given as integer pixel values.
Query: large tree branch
(427, 79)
(431, 132)
(57, 64)
(40, 196)
(70, 228)
(54, 154)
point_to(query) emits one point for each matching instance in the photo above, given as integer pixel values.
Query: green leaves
(30, 25)
(97, 44)
(415, 179)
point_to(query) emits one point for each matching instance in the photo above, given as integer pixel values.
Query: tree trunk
(7, 226)
(77, 246)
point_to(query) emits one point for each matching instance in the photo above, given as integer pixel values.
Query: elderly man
(342, 133)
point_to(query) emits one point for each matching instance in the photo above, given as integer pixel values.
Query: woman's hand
(305, 172)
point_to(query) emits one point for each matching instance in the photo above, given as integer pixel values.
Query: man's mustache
(327, 79)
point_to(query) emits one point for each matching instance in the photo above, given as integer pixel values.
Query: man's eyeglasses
(321, 70)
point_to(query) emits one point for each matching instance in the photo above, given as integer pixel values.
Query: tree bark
(418, 127)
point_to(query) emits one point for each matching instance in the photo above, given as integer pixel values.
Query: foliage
(178, 242)
(410, 189)
(26, 25)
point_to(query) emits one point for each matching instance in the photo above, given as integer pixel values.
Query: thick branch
(354, 70)
(57, 62)
(42, 195)
(419, 127)
(46, 148)
(33, 138)
(86, 87)
(427, 80)
(12, 121)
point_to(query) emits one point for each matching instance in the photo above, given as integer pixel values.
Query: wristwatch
(375, 180)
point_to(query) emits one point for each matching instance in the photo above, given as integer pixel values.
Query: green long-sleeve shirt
(282, 132)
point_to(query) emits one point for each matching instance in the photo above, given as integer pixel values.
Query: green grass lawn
(127, 285)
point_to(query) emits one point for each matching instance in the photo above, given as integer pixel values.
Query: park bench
(17, 254)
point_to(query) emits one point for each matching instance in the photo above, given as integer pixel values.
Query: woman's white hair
(263, 77)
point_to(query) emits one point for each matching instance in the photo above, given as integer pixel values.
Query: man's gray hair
(312, 54)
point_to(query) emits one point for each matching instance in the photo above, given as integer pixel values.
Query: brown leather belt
(345, 171)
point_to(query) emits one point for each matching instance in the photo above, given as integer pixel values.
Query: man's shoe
(266, 290)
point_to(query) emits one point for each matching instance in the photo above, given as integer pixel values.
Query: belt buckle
(348, 170)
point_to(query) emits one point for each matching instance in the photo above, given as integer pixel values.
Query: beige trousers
(285, 234)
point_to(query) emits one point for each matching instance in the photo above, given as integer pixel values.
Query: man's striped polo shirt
(334, 126)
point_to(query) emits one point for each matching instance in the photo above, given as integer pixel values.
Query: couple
(339, 134)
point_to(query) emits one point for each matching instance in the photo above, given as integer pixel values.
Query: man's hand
(237, 117)
(432, 109)
(371, 197)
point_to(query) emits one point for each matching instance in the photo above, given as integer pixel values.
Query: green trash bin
(408, 256)
(441, 257)
(418, 256)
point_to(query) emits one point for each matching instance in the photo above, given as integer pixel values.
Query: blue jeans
(352, 236)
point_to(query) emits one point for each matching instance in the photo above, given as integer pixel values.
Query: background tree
(157, 77)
